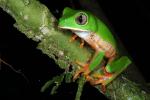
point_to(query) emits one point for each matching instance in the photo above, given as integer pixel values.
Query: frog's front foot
(73, 38)
(83, 70)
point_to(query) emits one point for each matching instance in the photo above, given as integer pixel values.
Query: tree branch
(36, 22)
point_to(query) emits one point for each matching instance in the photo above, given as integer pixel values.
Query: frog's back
(104, 32)
(100, 28)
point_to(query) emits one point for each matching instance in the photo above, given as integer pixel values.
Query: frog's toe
(77, 74)
(73, 38)
(84, 70)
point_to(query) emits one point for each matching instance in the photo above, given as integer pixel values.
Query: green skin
(92, 30)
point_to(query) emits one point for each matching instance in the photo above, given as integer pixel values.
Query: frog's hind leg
(90, 66)
(113, 69)
(117, 66)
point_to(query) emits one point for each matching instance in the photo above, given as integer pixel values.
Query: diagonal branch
(36, 22)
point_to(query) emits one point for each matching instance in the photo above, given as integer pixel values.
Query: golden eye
(81, 19)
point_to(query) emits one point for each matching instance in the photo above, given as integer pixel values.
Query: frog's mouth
(79, 32)
(69, 28)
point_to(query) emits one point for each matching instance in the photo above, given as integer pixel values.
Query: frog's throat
(82, 34)
(96, 42)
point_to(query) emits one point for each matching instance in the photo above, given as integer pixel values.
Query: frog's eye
(81, 19)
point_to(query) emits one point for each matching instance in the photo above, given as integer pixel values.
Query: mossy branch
(36, 22)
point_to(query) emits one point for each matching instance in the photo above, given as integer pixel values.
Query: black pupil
(81, 19)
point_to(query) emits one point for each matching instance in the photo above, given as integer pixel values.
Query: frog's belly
(99, 45)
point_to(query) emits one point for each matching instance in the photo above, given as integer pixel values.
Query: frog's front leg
(89, 67)
(73, 38)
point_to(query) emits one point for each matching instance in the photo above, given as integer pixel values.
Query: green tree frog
(93, 30)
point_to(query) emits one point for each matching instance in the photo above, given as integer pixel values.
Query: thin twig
(13, 69)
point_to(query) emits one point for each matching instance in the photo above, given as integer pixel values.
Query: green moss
(62, 51)
(30, 16)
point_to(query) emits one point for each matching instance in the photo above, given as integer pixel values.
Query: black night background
(130, 20)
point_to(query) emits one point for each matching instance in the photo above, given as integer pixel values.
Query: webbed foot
(84, 70)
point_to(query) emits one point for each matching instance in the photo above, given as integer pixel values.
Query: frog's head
(78, 21)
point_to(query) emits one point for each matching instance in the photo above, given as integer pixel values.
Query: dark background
(130, 20)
